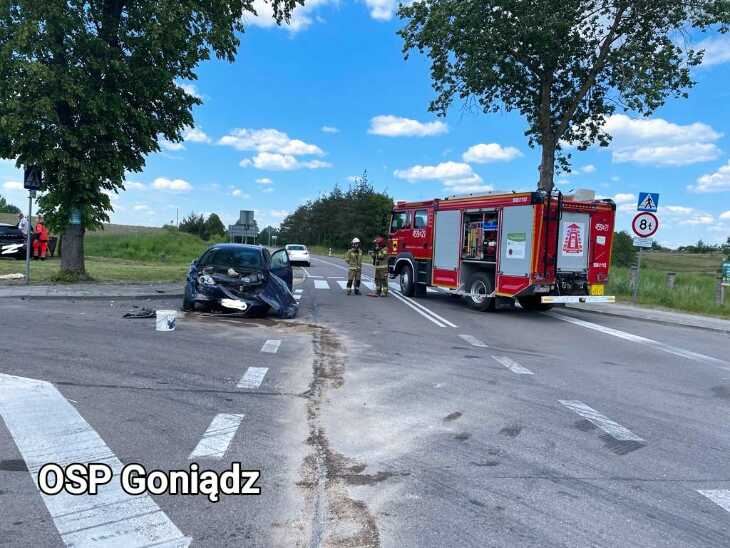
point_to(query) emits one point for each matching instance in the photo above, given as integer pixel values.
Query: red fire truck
(536, 247)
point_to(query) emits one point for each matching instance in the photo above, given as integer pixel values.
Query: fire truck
(537, 248)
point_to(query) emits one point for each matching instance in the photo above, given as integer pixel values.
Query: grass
(158, 246)
(670, 261)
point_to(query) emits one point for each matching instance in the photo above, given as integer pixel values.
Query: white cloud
(12, 185)
(268, 140)
(455, 176)
(395, 126)
(267, 189)
(623, 198)
(590, 168)
(491, 152)
(684, 215)
(238, 193)
(717, 50)
(658, 142)
(190, 89)
(169, 145)
(195, 135)
(330, 129)
(699, 219)
(725, 216)
(141, 207)
(278, 213)
(175, 185)
(381, 10)
(134, 185)
(719, 181)
(353, 178)
(679, 210)
(264, 181)
(281, 162)
(301, 18)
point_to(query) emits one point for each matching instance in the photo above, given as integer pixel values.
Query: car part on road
(140, 313)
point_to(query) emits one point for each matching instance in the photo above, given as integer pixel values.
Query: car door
(281, 266)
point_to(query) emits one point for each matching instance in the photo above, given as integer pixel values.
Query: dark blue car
(242, 278)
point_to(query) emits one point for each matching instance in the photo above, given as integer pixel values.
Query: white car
(298, 254)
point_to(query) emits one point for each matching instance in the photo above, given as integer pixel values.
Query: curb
(154, 296)
(654, 320)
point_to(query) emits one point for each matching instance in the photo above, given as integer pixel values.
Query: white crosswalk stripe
(512, 365)
(321, 284)
(613, 429)
(253, 377)
(271, 346)
(721, 497)
(217, 438)
(472, 340)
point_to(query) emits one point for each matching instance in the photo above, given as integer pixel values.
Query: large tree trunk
(72, 250)
(547, 167)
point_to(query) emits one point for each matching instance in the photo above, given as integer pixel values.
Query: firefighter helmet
(355, 241)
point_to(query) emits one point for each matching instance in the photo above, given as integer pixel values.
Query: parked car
(241, 277)
(12, 242)
(299, 254)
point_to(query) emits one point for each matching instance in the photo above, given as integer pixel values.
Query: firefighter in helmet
(353, 258)
(380, 262)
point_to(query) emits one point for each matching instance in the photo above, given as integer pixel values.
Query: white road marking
(306, 273)
(271, 346)
(641, 340)
(217, 438)
(410, 304)
(335, 278)
(369, 285)
(721, 497)
(253, 377)
(472, 340)
(298, 291)
(342, 284)
(46, 428)
(321, 284)
(512, 365)
(297, 298)
(612, 428)
(427, 310)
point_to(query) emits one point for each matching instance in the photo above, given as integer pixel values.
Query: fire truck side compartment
(447, 240)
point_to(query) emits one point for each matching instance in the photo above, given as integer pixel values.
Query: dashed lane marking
(47, 428)
(472, 340)
(271, 346)
(321, 284)
(253, 377)
(512, 365)
(641, 340)
(298, 291)
(217, 438)
(612, 428)
(721, 497)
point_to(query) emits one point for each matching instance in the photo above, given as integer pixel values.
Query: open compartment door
(446, 246)
(515, 249)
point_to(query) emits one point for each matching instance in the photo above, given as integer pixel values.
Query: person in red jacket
(40, 243)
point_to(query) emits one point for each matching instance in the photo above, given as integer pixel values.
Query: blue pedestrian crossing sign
(648, 201)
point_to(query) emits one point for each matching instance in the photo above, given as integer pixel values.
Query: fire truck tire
(407, 282)
(478, 287)
(532, 303)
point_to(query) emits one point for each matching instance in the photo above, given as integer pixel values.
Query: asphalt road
(374, 422)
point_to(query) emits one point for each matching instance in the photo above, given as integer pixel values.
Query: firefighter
(40, 243)
(380, 262)
(353, 258)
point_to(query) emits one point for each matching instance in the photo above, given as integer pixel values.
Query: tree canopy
(334, 219)
(565, 66)
(205, 229)
(87, 88)
(6, 207)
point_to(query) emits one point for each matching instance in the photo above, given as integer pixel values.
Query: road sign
(32, 178)
(645, 224)
(726, 273)
(648, 201)
(643, 242)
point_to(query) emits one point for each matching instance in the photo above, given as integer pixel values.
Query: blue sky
(314, 104)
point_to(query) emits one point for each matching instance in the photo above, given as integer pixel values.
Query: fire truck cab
(537, 248)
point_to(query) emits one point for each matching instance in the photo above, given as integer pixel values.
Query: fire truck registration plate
(597, 290)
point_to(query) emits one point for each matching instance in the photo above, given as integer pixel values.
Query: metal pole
(269, 236)
(635, 296)
(27, 238)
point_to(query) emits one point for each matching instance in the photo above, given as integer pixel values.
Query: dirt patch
(453, 416)
(511, 431)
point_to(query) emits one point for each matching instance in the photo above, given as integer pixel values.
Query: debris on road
(140, 313)
(16, 276)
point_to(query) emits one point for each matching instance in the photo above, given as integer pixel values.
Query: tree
(267, 235)
(87, 87)
(624, 252)
(6, 207)
(214, 226)
(565, 66)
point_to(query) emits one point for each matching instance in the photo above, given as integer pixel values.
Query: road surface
(373, 422)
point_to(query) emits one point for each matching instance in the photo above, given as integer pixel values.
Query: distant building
(245, 228)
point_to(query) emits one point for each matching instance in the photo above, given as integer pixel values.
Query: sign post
(644, 225)
(31, 181)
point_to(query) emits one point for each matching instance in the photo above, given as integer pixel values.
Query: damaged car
(241, 278)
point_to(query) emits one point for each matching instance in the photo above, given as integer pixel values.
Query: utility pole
(31, 194)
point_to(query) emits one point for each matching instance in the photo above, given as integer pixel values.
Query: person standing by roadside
(353, 258)
(380, 262)
(22, 224)
(40, 244)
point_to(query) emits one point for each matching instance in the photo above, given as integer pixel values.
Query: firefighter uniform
(380, 262)
(40, 244)
(353, 258)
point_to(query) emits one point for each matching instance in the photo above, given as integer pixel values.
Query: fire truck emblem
(573, 239)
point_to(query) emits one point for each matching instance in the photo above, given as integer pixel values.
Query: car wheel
(534, 304)
(479, 287)
(407, 285)
(188, 304)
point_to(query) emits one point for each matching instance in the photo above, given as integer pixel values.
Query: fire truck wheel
(533, 303)
(407, 283)
(479, 287)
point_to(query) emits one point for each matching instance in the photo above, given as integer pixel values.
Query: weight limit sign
(645, 224)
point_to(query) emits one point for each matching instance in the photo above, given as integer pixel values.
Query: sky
(314, 104)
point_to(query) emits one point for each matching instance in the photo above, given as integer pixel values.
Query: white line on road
(409, 303)
(271, 346)
(253, 377)
(46, 428)
(297, 297)
(641, 340)
(612, 428)
(721, 497)
(217, 438)
(298, 291)
(321, 284)
(512, 365)
(472, 340)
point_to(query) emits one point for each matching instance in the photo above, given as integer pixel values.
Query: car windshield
(296, 248)
(236, 257)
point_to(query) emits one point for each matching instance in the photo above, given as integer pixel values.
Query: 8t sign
(645, 224)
